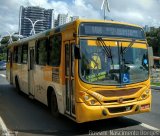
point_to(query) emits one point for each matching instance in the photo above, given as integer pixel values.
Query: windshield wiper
(123, 51)
(106, 48)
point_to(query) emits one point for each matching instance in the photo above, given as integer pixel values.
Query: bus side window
(25, 53)
(55, 50)
(15, 54)
(41, 52)
(8, 55)
(19, 54)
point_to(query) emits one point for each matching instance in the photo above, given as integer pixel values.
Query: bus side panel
(16, 73)
(8, 72)
(24, 78)
(39, 83)
(42, 81)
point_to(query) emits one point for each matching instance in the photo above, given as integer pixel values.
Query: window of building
(41, 52)
(55, 50)
(25, 53)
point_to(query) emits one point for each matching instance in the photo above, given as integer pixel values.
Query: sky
(141, 12)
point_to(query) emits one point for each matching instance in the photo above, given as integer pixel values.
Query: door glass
(67, 59)
(70, 84)
(73, 96)
(67, 95)
(32, 59)
(67, 73)
(72, 60)
(72, 80)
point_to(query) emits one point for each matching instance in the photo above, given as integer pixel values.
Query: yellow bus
(86, 70)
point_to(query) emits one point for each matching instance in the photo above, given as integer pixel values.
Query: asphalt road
(26, 117)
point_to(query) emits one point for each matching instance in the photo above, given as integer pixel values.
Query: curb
(3, 128)
(155, 87)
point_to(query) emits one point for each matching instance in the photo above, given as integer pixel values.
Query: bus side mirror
(150, 55)
(77, 52)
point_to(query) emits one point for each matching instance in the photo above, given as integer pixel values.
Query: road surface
(25, 117)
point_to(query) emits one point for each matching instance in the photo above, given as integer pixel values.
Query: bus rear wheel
(54, 105)
(17, 85)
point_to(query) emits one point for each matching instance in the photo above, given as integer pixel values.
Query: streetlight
(105, 5)
(10, 37)
(33, 25)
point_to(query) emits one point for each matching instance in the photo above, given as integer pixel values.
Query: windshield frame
(120, 83)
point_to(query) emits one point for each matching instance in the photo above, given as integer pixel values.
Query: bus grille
(118, 93)
(116, 101)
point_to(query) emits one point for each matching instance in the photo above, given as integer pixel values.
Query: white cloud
(140, 12)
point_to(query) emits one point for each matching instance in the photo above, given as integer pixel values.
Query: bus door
(69, 78)
(31, 71)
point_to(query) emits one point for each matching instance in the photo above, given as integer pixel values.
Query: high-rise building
(62, 19)
(45, 17)
(65, 18)
(55, 23)
(147, 28)
(74, 18)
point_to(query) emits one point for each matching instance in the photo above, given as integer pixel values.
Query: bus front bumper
(87, 113)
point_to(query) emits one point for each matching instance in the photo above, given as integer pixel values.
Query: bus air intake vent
(120, 109)
(116, 101)
(118, 93)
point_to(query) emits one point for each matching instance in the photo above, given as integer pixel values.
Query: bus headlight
(145, 94)
(86, 97)
(89, 100)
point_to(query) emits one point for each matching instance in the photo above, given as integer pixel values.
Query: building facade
(147, 28)
(64, 18)
(42, 19)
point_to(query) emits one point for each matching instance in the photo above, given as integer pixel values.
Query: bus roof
(108, 21)
(62, 27)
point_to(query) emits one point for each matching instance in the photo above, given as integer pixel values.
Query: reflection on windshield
(96, 66)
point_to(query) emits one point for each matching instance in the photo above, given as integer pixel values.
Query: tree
(3, 52)
(153, 39)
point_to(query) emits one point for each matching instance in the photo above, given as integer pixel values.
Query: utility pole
(105, 7)
(10, 37)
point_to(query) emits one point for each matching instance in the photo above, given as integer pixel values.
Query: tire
(54, 105)
(17, 86)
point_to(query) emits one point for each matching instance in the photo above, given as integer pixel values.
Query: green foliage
(3, 52)
(153, 39)
(5, 39)
(157, 84)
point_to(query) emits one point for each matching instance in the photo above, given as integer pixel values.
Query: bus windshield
(97, 67)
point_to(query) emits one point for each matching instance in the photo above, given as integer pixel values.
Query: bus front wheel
(54, 105)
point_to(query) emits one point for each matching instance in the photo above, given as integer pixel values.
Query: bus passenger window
(19, 54)
(55, 50)
(15, 55)
(8, 55)
(41, 52)
(25, 53)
